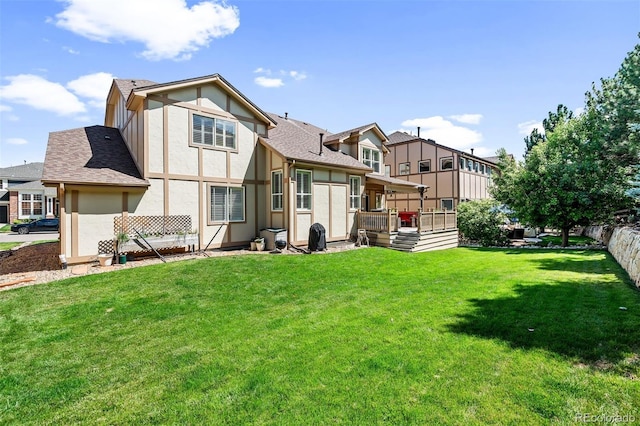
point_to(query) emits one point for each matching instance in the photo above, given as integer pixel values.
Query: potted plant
(121, 239)
(259, 243)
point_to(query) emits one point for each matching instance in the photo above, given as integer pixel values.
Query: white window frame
(387, 170)
(355, 194)
(213, 138)
(442, 160)
(422, 162)
(29, 200)
(462, 163)
(442, 202)
(371, 158)
(276, 190)
(404, 168)
(230, 194)
(304, 199)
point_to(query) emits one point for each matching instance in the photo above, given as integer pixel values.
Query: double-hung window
(227, 204)
(276, 190)
(214, 132)
(31, 204)
(303, 189)
(404, 168)
(371, 158)
(354, 192)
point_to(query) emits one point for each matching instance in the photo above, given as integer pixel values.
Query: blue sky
(472, 74)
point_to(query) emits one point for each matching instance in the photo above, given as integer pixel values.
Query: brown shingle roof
(399, 137)
(300, 141)
(90, 155)
(344, 135)
(126, 85)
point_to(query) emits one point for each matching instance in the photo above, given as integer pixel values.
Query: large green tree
(582, 169)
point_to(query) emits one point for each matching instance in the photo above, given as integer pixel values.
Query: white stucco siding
(321, 202)
(303, 223)
(183, 158)
(213, 97)
(67, 221)
(183, 199)
(155, 136)
(321, 175)
(214, 163)
(339, 177)
(95, 219)
(149, 203)
(339, 210)
(237, 109)
(189, 95)
(370, 137)
(242, 161)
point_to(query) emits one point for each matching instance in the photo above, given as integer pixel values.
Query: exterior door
(4, 215)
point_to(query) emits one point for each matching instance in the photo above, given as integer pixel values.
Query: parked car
(37, 226)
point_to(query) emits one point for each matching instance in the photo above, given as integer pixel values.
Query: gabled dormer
(365, 143)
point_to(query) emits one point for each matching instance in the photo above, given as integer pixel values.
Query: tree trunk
(565, 236)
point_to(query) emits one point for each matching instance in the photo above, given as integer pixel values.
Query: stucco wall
(624, 246)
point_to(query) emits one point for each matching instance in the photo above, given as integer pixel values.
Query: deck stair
(417, 242)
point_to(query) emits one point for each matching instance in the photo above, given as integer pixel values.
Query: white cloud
(92, 86)
(17, 141)
(5, 108)
(169, 29)
(527, 127)
(277, 82)
(578, 111)
(38, 93)
(268, 82)
(445, 132)
(467, 118)
(70, 50)
(297, 75)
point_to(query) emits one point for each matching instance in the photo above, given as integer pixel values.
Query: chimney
(286, 115)
(321, 136)
(418, 131)
(471, 151)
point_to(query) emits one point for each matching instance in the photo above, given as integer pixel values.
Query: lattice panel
(152, 225)
(106, 246)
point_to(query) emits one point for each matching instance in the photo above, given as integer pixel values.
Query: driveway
(12, 237)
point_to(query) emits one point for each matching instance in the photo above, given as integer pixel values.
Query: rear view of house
(198, 154)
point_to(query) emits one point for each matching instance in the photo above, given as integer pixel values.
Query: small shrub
(481, 221)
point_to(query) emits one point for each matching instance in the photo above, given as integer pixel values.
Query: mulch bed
(38, 257)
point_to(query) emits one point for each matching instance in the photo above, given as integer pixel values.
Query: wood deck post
(419, 220)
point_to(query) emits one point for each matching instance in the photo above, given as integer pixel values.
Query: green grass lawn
(5, 228)
(8, 246)
(371, 336)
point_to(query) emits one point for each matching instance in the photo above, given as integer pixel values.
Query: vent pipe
(321, 136)
(471, 151)
(286, 115)
(418, 131)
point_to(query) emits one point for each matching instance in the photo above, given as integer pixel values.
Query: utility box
(271, 235)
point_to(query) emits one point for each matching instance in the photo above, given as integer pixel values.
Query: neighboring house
(22, 195)
(199, 149)
(452, 176)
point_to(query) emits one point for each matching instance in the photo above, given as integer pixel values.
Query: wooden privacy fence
(426, 222)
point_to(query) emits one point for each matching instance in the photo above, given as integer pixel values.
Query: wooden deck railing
(436, 221)
(388, 221)
(378, 221)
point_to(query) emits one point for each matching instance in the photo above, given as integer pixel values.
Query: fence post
(388, 221)
(419, 220)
